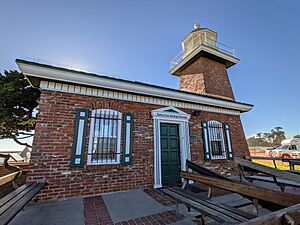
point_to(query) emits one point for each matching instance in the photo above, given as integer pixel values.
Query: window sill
(102, 163)
(98, 167)
(220, 160)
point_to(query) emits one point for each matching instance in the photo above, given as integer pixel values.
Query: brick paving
(96, 213)
(162, 218)
(160, 197)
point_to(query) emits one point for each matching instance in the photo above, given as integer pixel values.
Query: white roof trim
(119, 85)
(110, 94)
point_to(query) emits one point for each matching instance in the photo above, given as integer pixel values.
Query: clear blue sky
(137, 39)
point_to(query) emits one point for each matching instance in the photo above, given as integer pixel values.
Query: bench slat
(282, 199)
(10, 213)
(240, 203)
(294, 171)
(203, 171)
(13, 194)
(227, 210)
(220, 217)
(196, 197)
(268, 170)
(15, 198)
(271, 180)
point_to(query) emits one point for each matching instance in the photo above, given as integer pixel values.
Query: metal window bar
(216, 140)
(105, 138)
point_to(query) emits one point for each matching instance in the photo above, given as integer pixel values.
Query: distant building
(17, 155)
(98, 134)
(25, 154)
(14, 156)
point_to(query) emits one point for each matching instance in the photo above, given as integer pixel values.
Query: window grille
(216, 140)
(105, 134)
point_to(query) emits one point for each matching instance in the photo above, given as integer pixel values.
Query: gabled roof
(39, 71)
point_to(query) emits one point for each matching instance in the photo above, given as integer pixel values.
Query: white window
(105, 137)
(216, 140)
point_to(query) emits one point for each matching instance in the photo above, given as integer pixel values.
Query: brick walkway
(96, 213)
(163, 218)
(160, 197)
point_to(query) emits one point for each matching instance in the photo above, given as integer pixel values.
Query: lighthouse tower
(202, 64)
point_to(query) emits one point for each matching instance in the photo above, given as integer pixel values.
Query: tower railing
(196, 42)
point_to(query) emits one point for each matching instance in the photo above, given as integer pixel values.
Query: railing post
(177, 208)
(274, 164)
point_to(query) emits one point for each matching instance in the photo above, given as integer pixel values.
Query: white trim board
(98, 92)
(79, 78)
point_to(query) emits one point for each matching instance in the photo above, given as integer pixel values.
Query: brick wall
(53, 142)
(239, 143)
(206, 76)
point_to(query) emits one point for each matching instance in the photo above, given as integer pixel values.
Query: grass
(280, 165)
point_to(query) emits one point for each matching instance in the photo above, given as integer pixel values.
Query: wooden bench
(295, 171)
(288, 216)
(15, 201)
(270, 199)
(282, 183)
(207, 207)
(12, 203)
(279, 177)
(291, 161)
(220, 212)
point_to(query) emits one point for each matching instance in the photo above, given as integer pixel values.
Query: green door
(170, 153)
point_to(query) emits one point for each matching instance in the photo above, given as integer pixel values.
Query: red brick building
(98, 134)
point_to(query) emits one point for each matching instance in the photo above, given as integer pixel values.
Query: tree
(18, 105)
(259, 135)
(297, 136)
(265, 139)
(257, 141)
(277, 135)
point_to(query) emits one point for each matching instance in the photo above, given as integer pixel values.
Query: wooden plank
(16, 198)
(9, 214)
(271, 180)
(17, 164)
(295, 161)
(220, 217)
(9, 177)
(229, 211)
(222, 205)
(13, 194)
(276, 197)
(263, 158)
(240, 203)
(203, 171)
(7, 165)
(268, 170)
(294, 171)
(276, 218)
(272, 158)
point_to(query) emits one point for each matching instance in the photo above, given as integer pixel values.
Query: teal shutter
(206, 145)
(228, 141)
(127, 138)
(79, 137)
